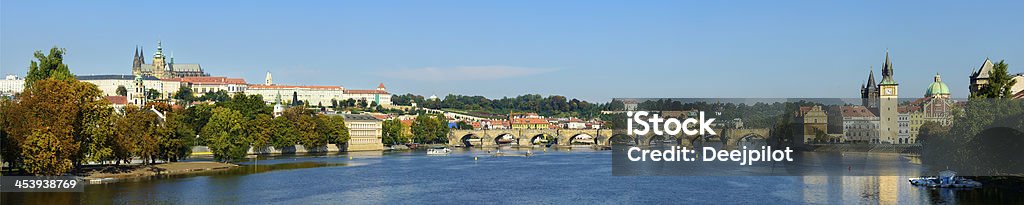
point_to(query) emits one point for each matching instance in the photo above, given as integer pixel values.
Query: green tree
(48, 67)
(430, 129)
(185, 94)
(121, 91)
(260, 131)
(392, 132)
(153, 94)
(225, 134)
(249, 105)
(463, 125)
(332, 128)
(196, 117)
(999, 85)
(176, 137)
(284, 134)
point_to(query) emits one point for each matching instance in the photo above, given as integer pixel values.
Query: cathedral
(162, 67)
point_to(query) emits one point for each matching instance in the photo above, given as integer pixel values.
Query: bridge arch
(505, 139)
(582, 138)
(543, 138)
(621, 139)
(471, 140)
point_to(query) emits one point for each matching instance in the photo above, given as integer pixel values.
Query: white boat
(439, 151)
(946, 179)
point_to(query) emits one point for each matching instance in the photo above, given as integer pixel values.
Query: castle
(163, 67)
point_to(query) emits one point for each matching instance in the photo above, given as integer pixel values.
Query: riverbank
(116, 172)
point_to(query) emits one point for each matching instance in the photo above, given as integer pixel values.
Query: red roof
(117, 100)
(365, 92)
(209, 80)
(323, 87)
(857, 111)
(908, 108)
(381, 86)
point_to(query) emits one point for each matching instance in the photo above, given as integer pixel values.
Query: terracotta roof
(117, 100)
(365, 92)
(381, 117)
(209, 80)
(381, 86)
(323, 87)
(857, 111)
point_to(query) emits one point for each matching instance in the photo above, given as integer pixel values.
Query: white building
(207, 84)
(314, 95)
(860, 125)
(317, 94)
(365, 132)
(11, 84)
(109, 84)
(379, 96)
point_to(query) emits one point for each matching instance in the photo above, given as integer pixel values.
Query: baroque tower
(887, 106)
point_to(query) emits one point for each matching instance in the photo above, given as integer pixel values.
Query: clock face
(888, 91)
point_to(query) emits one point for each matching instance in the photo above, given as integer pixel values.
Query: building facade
(110, 83)
(814, 123)
(11, 85)
(860, 125)
(365, 132)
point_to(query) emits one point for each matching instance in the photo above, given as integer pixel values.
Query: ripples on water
(549, 177)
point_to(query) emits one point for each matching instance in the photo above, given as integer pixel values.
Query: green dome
(937, 87)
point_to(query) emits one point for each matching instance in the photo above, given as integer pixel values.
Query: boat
(439, 150)
(946, 179)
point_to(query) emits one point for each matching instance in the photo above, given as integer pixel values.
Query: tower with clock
(887, 107)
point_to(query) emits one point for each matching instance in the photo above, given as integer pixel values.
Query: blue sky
(593, 50)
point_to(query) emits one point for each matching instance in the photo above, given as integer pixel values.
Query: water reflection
(555, 176)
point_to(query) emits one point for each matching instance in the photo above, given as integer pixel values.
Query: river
(551, 176)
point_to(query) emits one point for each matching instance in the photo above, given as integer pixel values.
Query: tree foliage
(225, 134)
(430, 129)
(1000, 83)
(48, 67)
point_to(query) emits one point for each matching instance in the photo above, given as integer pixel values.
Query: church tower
(137, 62)
(159, 65)
(887, 106)
(138, 95)
(269, 80)
(869, 92)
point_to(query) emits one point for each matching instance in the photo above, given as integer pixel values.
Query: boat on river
(439, 151)
(946, 179)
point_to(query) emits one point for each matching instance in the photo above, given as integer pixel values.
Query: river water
(472, 176)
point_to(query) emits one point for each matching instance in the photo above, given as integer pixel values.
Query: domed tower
(937, 89)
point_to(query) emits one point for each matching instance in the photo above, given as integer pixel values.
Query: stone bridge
(599, 137)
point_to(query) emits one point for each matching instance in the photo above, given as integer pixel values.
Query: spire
(887, 70)
(871, 77)
(159, 49)
(937, 78)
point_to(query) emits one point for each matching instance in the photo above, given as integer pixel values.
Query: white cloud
(464, 73)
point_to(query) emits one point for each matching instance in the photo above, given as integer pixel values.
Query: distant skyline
(590, 50)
